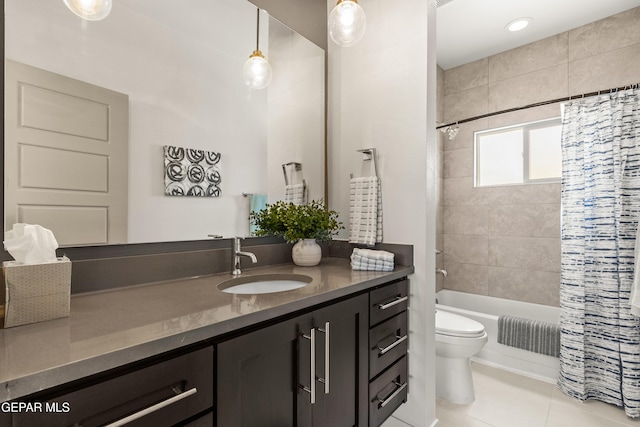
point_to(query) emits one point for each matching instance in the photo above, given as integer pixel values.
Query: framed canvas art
(191, 172)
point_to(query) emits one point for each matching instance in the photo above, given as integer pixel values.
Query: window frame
(526, 128)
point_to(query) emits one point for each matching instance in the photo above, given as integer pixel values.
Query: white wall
(296, 122)
(185, 88)
(382, 95)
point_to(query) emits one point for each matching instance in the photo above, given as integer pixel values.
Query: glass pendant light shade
(257, 71)
(91, 10)
(347, 23)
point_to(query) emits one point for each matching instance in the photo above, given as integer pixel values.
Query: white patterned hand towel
(365, 211)
(369, 259)
(295, 193)
(634, 298)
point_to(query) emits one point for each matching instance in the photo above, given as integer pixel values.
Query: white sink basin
(264, 283)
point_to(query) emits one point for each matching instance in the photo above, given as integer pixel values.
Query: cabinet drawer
(172, 391)
(388, 343)
(387, 392)
(388, 301)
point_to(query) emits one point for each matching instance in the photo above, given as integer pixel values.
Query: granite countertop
(112, 328)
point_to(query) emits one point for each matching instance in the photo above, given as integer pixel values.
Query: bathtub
(486, 310)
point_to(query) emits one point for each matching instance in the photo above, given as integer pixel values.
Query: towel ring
(369, 154)
(297, 167)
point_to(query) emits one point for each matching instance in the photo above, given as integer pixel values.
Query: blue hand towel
(258, 202)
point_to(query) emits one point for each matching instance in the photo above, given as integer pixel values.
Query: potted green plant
(302, 224)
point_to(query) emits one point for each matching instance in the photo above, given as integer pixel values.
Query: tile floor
(504, 399)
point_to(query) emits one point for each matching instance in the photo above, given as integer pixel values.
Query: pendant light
(347, 23)
(91, 10)
(257, 71)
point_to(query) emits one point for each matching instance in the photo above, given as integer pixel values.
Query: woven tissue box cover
(36, 292)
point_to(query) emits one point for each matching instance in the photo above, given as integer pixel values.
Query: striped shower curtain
(600, 338)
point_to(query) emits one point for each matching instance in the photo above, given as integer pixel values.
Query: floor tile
(504, 399)
(611, 412)
(450, 417)
(394, 422)
(561, 415)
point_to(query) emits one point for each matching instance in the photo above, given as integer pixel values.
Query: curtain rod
(540, 104)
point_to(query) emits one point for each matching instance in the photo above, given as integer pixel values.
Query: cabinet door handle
(327, 352)
(398, 340)
(312, 383)
(152, 408)
(383, 402)
(398, 300)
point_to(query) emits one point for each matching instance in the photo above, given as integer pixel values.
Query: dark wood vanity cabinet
(280, 375)
(339, 364)
(265, 376)
(167, 392)
(388, 336)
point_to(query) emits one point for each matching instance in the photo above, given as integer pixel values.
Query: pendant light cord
(258, 29)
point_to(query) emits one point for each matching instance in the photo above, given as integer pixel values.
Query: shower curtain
(600, 338)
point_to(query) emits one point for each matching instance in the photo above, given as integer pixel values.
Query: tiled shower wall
(505, 241)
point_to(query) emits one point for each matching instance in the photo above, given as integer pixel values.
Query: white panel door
(66, 149)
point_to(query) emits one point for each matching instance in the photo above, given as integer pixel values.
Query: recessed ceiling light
(518, 24)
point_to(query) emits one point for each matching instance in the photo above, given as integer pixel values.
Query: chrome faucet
(237, 253)
(442, 271)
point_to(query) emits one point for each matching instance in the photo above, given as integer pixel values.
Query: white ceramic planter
(306, 253)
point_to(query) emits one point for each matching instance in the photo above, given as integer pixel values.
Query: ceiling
(469, 30)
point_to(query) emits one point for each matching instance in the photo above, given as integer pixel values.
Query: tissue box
(35, 292)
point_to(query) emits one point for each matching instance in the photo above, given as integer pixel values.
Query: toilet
(457, 339)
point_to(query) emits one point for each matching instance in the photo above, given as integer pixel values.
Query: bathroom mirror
(180, 64)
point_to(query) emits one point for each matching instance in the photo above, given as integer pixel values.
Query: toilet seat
(454, 325)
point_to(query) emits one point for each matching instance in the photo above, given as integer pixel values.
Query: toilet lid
(458, 326)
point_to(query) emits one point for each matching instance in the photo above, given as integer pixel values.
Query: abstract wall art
(191, 172)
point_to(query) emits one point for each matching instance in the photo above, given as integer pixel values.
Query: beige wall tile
(470, 278)
(524, 116)
(607, 70)
(460, 191)
(608, 34)
(466, 219)
(440, 220)
(542, 85)
(440, 162)
(526, 220)
(466, 249)
(463, 105)
(522, 194)
(467, 76)
(526, 253)
(535, 56)
(458, 163)
(440, 95)
(539, 287)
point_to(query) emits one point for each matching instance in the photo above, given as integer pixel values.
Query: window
(521, 154)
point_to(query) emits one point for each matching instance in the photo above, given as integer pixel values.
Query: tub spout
(441, 271)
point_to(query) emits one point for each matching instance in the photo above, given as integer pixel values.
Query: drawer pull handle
(398, 300)
(327, 352)
(399, 339)
(312, 383)
(152, 408)
(383, 402)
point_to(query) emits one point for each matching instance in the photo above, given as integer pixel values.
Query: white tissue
(31, 244)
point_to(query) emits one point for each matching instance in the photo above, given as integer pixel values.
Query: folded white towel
(375, 260)
(365, 211)
(634, 298)
(296, 194)
(374, 254)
